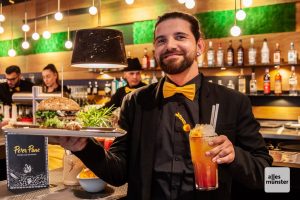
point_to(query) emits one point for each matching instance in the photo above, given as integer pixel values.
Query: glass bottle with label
(278, 83)
(293, 83)
(107, 88)
(210, 55)
(230, 55)
(230, 85)
(265, 53)
(242, 82)
(114, 86)
(128, 54)
(240, 54)
(95, 88)
(152, 60)
(220, 56)
(90, 88)
(267, 83)
(253, 84)
(146, 59)
(252, 53)
(292, 54)
(277, 55)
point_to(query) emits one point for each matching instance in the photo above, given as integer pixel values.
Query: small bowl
(92, 184)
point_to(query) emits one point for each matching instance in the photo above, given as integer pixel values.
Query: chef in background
(14, 83)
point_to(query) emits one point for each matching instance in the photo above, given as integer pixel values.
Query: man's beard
(176, 68)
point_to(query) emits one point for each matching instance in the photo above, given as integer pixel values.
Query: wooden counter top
(57, 190)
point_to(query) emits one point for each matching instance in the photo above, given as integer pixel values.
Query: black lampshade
(99, 48)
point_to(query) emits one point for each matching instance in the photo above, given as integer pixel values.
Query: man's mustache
(169, 53)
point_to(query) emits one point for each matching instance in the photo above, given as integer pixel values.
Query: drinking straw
(212, 115)
(216, 115)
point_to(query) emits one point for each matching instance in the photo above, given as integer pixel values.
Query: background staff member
(51, 80)
(51, 85)
(14, 84)
(132, 75)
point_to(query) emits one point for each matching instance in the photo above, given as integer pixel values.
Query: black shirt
(6, 92)
(117, 98)
(57, 89)
(173, 169)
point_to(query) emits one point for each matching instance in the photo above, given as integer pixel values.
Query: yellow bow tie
(127, 89)
(170, 89)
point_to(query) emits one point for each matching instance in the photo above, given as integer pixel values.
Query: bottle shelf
(284, 94)
(250, 66)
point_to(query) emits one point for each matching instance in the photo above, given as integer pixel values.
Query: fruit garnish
(186, 127)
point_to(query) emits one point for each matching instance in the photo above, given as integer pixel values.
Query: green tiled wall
(264, 19)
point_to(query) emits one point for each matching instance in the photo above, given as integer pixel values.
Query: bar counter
(58, 190)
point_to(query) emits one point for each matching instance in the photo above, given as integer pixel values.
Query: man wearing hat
(132, 75)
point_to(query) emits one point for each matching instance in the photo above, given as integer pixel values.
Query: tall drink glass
(206, 171)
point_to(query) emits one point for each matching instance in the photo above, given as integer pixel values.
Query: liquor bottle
(230, 54)
(230, 85)
(107, 89)
(240, 54)
(220, 82)
(292, 54)
(242, 82)
(95, 88)
(293, 83)
(267, 83)
(128, 54)
(90, 88)
(114, 86)
(278, 83)
(252, 53)
(146, 59)
(154, 78)
(152, 60)
(220, 56)
(253, 84)
(265, 53)
(210, 55)
(276, 55)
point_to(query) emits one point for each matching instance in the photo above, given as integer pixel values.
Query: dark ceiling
(9, 2)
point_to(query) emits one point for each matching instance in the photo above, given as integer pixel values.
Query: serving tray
(85, 132)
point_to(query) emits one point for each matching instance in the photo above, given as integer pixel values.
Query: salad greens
(95, 117)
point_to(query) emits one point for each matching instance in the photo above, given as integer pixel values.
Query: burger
(58, 112)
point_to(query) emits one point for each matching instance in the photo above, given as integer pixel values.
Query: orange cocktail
(206, 171)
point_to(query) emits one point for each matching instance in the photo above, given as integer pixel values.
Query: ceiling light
(35, 35)
(58, 15)
(247, 3)
(25, 26)
(1, 29)
(240, 15)
(68, 43)
(25, 44)
(46, 35)
(190, 4)
(2, 17)
(129, 2)
(99, 48)
(93, 10)
(12, 53)
(235, 31)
